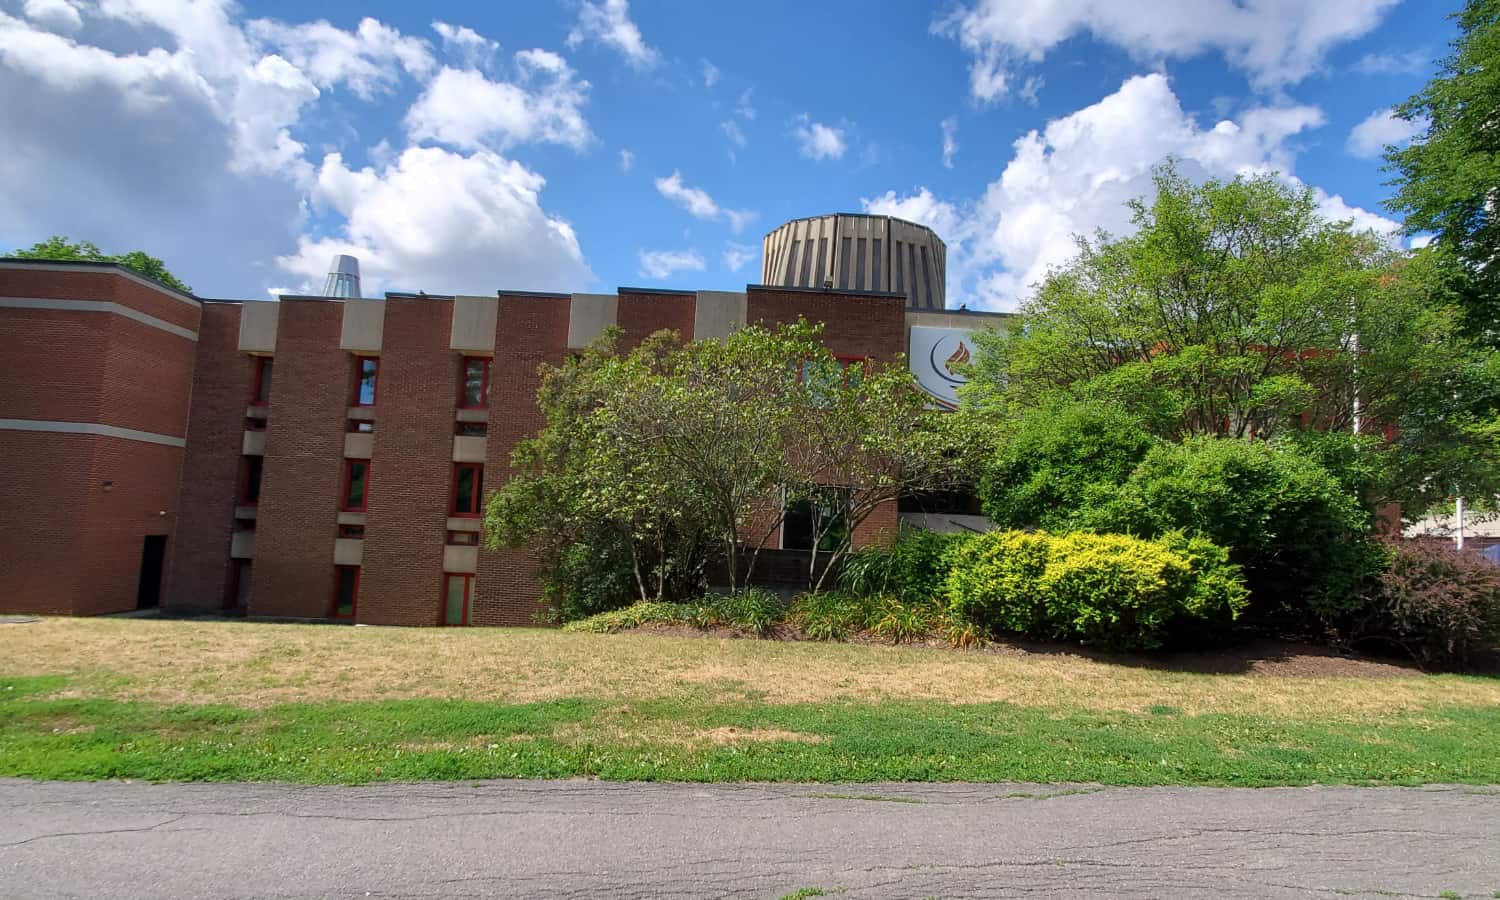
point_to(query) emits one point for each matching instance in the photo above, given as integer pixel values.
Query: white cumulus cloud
(473, 48)
(664, 263)
(1369, 138)
(736, 256)
(608, 22)
(819, 141)
(950, 140)
(1075, 175)
(465, 108)
(444, 222)
(60, 15)
(1275, 42)
(699, 204)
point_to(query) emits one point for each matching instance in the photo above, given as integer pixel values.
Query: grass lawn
(163, 700)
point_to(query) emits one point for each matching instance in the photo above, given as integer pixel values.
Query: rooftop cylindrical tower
(856, 252)
(343, 278)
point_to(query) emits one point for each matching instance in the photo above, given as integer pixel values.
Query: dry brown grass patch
(258, 665)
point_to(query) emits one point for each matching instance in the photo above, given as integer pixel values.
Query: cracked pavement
(588, 839)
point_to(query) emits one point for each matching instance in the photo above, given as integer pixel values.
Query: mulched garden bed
(1263, 656)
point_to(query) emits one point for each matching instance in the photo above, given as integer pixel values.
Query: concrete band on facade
(97, 306)
(129, 434)
(279, 553)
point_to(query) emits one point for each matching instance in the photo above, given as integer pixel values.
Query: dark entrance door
(153, 552)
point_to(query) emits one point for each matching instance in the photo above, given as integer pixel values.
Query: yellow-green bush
(1108, 590)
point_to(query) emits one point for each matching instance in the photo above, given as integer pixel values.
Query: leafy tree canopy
(1235, 310)
(59, 247)
(1446, 180)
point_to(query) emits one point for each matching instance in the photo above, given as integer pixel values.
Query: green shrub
(901, 622)
(755, 610)
(1061, 460)
(1301, 537)
(589, 578)
(1437, 604)
(912, 568)
(994, 580)
(632, 617)
(830, 615)
(1108, 590)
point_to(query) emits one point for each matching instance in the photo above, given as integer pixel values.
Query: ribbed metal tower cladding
(851, 251)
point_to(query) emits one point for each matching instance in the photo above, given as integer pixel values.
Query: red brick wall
(643, 313)
(70, 545)
(44, 487)
(209, 490)
(51, 362)
(409, 498)
(529, 331)
(94, 283)
(145, 480)
(302, 474)
(856, 324)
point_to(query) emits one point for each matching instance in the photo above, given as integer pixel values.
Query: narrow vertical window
(345, 591)
(356, 485)
(476, 383)
(468, 488)
(250, 468)
(366, 370)
(457, 592)
(260, 388)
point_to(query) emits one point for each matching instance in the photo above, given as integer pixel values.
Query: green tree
(59, 247)
(1446, 179)
(672, 455)
(1235, 310)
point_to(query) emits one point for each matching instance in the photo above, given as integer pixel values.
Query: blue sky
(579, 145)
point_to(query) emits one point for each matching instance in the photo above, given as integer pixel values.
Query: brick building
(311, 457)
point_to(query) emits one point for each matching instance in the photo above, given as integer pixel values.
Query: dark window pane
(859, 264)
(263, 381)
(876, 265)
(355, 496)
(844, 262)
(348, 591)
(252, 479)
(822, 516)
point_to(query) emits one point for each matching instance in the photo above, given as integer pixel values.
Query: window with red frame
(356, 485)
(366, 372)
(250, 468)
(468, 488)
(458, 590)
(476, 383)
(260, 386)
(345, 591)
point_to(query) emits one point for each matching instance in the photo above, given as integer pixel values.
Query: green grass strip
(412, 740)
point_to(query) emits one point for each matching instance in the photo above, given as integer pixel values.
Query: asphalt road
(587, 839)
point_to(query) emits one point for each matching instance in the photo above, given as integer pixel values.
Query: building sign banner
(934, 356)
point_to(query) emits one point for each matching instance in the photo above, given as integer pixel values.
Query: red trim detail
(463, 381)
(359, 371)
(477, 498)
(348, 479)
